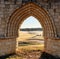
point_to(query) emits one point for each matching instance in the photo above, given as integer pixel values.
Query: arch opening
(30, 35)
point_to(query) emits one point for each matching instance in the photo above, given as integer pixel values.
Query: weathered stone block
(7, 46)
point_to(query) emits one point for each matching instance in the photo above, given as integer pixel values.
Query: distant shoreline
(31, 29)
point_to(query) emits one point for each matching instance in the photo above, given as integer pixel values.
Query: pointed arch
(30, 22)
(30, 9)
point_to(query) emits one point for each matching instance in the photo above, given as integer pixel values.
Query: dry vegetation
(26, 35)
(32, 50)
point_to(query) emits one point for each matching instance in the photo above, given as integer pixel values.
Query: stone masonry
(7, 9)
(7, 46)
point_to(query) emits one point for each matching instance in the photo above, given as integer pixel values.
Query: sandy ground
(28, 35)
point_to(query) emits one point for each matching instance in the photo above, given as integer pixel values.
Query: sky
(31, 22)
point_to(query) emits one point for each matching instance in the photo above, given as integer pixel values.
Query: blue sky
(31, 22)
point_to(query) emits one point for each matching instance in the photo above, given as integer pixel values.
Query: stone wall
(7, 46)
(8, 7)
(53, 47)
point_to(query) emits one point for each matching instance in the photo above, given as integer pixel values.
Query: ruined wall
(7, 46)
(7, 7)
(53, 47)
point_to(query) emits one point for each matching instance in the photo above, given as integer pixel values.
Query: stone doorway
(31, 9)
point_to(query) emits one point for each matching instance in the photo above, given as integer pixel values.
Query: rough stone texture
(7, 7)
(53, 47)
(7, 46)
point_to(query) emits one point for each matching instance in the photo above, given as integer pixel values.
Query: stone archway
(30, 9)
